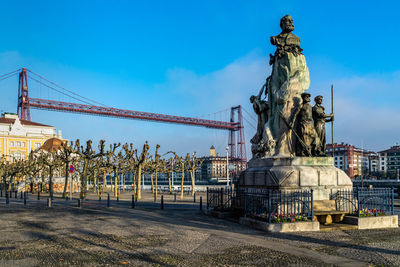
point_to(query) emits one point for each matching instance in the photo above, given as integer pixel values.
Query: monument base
(285, 173)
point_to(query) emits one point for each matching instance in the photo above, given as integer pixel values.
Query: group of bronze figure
(308, 124)
(287, 123)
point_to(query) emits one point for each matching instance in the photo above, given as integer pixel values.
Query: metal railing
(365, 202)
(264, 204)
(220, 198)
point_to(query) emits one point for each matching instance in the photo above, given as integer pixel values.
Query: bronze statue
(261, 108)
(286, 41)
(309, 140)
(319, 117)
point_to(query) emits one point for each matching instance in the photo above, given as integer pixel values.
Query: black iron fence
(220, 198)
(275, 206)
(363, 202)
(264, 204)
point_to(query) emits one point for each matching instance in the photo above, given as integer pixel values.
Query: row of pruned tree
(93, 165)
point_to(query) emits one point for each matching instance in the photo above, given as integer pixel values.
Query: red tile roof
(23, 122)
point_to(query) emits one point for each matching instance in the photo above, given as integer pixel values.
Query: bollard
(175, 197)
(79, 203)
(25, 198)
(155, 198)
(162, 202)
(194, 198)
(66, 196)
(21, 195)
(1, 193)
(49, 202)
(117, 197)
(201, 203)
(133, 201)
(16, 194)
(100, 196)
(7, 198)
(108, 200)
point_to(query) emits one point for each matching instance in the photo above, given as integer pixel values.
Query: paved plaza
(178, 235)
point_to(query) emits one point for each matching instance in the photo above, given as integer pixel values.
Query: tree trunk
(104, 180)
(66, 179)
(152, 183)
(123, 182)
(51, 181)
(156, 187)
(115, 182)
(169, 183)
(183, 176)
(84, 178)
(138, 177)
(192, 179)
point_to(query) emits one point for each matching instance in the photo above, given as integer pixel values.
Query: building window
(11, 143)
(37, 145)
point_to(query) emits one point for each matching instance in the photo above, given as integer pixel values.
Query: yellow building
(19, 137)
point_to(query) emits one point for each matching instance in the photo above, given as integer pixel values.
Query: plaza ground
(178, 235)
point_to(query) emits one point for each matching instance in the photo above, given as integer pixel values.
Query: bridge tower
(236, 141)
(23, 97)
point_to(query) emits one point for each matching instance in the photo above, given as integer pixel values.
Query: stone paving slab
(179, 235)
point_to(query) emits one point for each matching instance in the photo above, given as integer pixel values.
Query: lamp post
(227, 163)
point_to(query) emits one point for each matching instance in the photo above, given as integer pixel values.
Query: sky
(199, 58)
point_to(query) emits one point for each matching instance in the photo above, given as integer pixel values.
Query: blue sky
(193, 58)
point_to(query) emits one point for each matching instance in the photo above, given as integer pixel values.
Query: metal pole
(227, 170)
(194, 198)
(333, 146)
(133, 201)
(79, 203)
(38, 195)
(24, 198)
(108, 200)
(7, 198)
(393, 200)
(201, 203)
(162, 202)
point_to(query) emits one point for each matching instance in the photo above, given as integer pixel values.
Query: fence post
(222, 199)
(162, 202)
(108, 200)
(7, 198)
(133, 201)
(269, 205)
(201, 203)
(207, 198)
(245, 202)
(24, 198)
(358, 202)
(312, 205)
(38, 195)
(392, 208)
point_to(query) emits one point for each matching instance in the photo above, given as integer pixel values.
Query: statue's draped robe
(319, 117)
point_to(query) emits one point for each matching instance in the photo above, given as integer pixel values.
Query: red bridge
(25, 104)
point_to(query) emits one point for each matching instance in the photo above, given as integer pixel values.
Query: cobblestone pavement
(179, 235)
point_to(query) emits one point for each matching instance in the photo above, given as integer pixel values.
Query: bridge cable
(90, 100)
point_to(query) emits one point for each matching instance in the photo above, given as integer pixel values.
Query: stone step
(337, 226)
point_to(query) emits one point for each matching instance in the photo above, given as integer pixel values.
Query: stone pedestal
(284, 173)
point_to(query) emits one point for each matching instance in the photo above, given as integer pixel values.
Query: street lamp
(227, 170)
